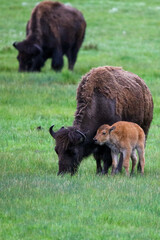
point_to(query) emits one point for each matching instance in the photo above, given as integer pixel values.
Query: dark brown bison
(104, 96)
(54, 30)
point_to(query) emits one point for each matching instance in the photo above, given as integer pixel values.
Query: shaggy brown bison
(123, 137)
(54, 30)
(104, 96)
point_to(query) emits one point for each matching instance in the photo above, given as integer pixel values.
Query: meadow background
(34, 202)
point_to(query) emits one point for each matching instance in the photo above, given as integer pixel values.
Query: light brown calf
(123, 137)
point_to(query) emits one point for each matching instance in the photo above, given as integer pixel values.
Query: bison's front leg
(98, 162)
(107, 160)
(57, 59)
(120, 163)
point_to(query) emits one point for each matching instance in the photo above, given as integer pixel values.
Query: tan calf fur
(123, 137)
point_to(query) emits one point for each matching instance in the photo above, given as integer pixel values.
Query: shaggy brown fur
(53, 30)
(132, 96)
(126, 138)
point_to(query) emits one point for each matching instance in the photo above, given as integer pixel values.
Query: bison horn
(38, 47)
(15, 44)
(53, 134)
(82, 134)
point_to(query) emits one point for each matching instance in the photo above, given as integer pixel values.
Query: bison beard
(104, 96)
(53, 30)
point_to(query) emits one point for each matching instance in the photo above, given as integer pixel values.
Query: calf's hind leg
(134, 160)
(140, 150)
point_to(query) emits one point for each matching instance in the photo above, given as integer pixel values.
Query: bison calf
(53, 30)
(123, 137)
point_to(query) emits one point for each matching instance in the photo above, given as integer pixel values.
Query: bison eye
(103, 133)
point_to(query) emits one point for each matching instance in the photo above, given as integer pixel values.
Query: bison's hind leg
(57, 60)
(72, 56)
(72, 53)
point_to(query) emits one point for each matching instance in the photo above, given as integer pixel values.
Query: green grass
(34, 202)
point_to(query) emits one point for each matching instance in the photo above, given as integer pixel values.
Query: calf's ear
(111, 129)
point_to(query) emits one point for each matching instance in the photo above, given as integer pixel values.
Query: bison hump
(127, 89)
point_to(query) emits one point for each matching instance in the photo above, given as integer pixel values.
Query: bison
(123, 137)
(105, 95)
(53, 30)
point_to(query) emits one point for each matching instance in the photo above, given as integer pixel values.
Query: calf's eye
(103, 133)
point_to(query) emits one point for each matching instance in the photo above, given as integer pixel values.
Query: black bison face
(29, 57)
(68, 147)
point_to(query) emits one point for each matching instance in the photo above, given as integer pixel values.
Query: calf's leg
(126, 157)
(114, 162)
(140, 150)
(134, 160)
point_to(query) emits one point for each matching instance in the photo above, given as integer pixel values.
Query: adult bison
(104, 96)
(53, 30)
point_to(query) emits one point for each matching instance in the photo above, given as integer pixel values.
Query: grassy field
(34, 202)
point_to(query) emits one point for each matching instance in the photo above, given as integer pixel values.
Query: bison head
(69, 142)
(30, 56)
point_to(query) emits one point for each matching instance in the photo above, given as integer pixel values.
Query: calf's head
(69, 144)
(29, 56)
(103, 134)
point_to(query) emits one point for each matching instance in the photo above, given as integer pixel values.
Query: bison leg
(57, 60)
(107, 160)
(120, 163)
(72, 57)
(98, 162)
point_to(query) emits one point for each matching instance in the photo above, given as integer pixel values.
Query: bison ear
(76, 137)
(37, 49)
(111, 129)
(83, 136)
